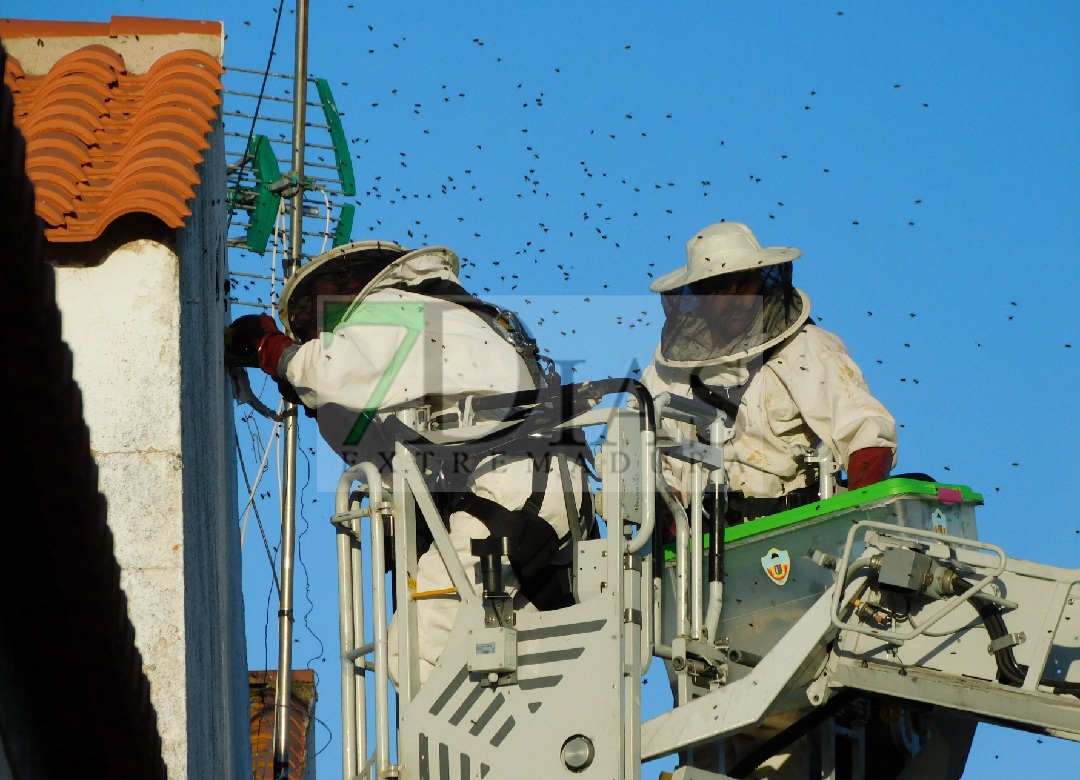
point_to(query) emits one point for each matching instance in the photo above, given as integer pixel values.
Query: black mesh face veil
(321, 297)
(730, 314)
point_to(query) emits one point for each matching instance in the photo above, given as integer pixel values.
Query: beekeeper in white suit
(737, 335)
(383, 330)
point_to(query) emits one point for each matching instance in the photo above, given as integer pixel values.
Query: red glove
(867, 466)
(246, 332)
(258, 334)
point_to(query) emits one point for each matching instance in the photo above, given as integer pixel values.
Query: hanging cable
(321, 655)
(258, 102)
(255, 486)
(278, 233)
(258, 519)
(326, 200)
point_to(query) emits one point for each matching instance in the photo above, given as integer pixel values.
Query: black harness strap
(731, 400)
(538, 556)
(726, 404)
(450, 290)
(742, 508)
(532, 544)
(539, 487)
(490, 314)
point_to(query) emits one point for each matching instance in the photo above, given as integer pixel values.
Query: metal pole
(351, 617)
(299, 129)
(283, 697)
(346, 621)
(697, 548)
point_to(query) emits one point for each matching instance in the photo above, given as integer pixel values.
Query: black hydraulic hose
(557, 405)
(799, 728)
(1010, 671)
(716, 533)
(582, 391)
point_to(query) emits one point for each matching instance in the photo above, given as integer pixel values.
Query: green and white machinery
(875, 620)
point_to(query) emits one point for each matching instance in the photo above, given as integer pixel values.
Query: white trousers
(507, 481)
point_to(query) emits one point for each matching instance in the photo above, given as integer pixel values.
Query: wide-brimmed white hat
(360, 260)
(723, 248)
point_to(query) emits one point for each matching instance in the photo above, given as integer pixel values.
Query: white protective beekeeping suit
(791, 382)
(783, 381)
(396, 348)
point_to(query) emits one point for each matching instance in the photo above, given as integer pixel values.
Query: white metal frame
(581, 667)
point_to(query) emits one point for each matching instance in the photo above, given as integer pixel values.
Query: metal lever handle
(490, 552)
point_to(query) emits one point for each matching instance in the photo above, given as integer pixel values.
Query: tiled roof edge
(103, 143)
(118, 25)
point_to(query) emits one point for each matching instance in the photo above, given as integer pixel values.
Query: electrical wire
(326, 200)
(274, 434)
(258, 102)
(258, 519)
(329, 735)
(321, 655)
(255, 486)
(278, 233)
(1010, 672)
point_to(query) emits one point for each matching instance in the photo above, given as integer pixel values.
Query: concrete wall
(144, 319)
(212, 569)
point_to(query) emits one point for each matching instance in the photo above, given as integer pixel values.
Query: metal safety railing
(365, 512)
(719, 689)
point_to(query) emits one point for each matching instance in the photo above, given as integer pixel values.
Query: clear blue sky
(923, 155)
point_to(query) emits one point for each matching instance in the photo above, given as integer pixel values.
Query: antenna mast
(283, 694)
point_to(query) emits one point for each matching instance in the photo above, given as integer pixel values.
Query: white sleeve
(832, 395)
(403, 347)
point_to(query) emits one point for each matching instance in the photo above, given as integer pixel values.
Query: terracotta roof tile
(103, 143)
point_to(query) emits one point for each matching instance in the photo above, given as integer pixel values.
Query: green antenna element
(267, 202)
(343, 231)
(337, 136)
(262, 201)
